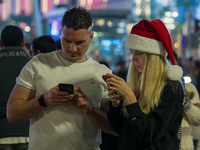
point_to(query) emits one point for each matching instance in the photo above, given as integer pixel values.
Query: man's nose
(73, 47)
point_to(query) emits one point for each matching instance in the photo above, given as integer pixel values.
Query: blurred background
(112, 21)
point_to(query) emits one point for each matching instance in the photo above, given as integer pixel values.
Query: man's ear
(1, 44)
(23, 44)
(91, 36)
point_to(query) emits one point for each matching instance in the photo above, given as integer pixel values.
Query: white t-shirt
(64, 127)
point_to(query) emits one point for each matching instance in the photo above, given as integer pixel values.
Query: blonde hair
(148, 85)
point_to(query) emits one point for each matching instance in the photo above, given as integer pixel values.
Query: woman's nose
(134, 59)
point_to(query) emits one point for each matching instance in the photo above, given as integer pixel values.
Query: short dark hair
(44, 43)
(77, 18)
(12, 36)
(197, 64)
(58, 44)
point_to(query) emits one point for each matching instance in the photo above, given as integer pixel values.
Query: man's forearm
(100, 119)
(21, 110)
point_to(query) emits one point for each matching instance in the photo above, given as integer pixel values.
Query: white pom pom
(174, 72)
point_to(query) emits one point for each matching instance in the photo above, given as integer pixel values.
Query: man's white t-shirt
(64, 127)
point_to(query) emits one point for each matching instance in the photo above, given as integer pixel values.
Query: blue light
(106, 42)
(118, 48)
(55, 28)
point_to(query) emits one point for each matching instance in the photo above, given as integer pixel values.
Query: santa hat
(153, 37)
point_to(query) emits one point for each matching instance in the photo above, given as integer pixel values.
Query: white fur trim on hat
(148, 45)
(174, 72)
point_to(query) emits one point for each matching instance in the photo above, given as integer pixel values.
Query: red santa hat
(153, 37)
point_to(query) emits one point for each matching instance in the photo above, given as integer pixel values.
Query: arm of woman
(115, 117)
(163, 120)
(118, 91)
(117, 85)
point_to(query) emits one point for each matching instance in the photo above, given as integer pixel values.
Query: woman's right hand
(119, 86)
(115, 98)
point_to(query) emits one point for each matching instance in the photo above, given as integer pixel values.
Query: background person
(197, 74)
(58, 45)
(12, 59)
(42, 44)
(122, 70)
(191, 117)
(27, 47)
(149, 117)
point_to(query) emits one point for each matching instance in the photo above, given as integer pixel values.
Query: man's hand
(81, 101)
(55, 97)
(98, 117)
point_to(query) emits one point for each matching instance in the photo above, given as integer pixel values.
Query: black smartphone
(66, 87)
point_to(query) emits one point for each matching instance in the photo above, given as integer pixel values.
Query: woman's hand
(115, 98)
(117, 85)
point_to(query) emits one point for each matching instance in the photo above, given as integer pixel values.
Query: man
(42, 44)
(12, 59)
(60, 120)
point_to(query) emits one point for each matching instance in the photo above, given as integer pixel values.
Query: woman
(147, 112)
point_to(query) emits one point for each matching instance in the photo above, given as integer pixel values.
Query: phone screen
(66, 87)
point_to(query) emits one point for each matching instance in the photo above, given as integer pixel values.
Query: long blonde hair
(148, 85)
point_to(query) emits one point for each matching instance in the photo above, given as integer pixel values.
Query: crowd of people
(147, 106)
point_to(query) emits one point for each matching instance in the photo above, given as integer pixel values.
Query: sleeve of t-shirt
(26, 78)
(105, 95)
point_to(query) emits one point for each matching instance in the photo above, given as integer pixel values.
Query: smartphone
(105, 77)
(66, 87)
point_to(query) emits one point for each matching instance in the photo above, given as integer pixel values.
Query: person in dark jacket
(147, 111)
(12, 59)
